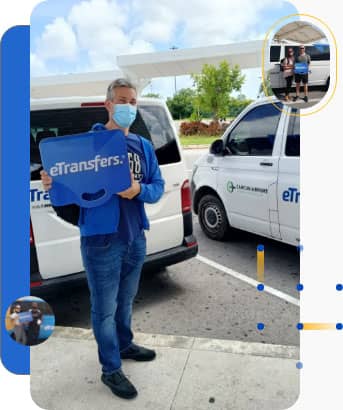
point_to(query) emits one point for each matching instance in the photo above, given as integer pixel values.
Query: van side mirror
(217, 147)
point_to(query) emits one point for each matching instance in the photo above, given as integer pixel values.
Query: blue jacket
(104, 219)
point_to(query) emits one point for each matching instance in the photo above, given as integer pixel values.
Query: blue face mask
(124, 114)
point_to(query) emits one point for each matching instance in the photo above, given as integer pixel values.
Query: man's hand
(131, 192)
(46, 180)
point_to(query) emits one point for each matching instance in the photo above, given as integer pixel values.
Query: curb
(196, 146)
(192, 343)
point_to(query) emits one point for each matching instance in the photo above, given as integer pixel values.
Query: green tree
(214, 86)
(152, 95)
(236, 105)
(181, 104)
(265, 89)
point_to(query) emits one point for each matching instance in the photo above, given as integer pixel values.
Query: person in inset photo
(19, 333)
(34, 326)
(302, 57)
(287, 65)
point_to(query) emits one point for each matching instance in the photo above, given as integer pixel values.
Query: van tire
(212, 218)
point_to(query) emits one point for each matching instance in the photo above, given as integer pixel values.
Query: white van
(55, 244)
(250, 178)
(319, 74)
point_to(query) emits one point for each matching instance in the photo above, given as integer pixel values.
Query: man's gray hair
(119, 82)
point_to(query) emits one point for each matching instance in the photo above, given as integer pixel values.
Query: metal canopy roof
(186, 61)
(299, 32)
(141, 68)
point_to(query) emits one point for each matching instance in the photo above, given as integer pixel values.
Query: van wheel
(212, 218)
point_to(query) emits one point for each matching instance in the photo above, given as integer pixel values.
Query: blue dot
(299, 365)
(300, 326)
(260, 326)
(300, 247)
(339, 287)
(339, 326)
(300, 287)
(260, 287)
(260, 248)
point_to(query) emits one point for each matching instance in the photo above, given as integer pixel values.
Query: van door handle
(215, 168)
(266, 164)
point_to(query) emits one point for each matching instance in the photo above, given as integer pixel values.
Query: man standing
(113, 244)
(302, 78)
(288, 74)
(34, 325)
(18, 326)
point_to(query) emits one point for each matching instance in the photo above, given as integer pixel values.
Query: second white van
(319, 74)
(249, 179)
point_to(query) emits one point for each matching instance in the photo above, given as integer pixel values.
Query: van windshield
(151, 123)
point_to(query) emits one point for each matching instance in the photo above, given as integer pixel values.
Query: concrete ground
(198, 298)
(188, 373)
(315, 94)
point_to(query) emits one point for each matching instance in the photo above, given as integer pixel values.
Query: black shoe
(139, 353)
(120, 385)
(306, 98)
(295, 98)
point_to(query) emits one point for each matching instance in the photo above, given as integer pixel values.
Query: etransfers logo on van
(64, 168)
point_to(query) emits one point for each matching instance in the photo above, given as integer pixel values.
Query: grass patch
(197, 139)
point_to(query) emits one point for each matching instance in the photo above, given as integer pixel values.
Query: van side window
(293, 137)
(275, 54)
(57, 122)
(162, 134)
(255, 133)
(319, 52)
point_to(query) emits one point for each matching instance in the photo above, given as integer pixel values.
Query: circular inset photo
(298, 70)
(29, 320)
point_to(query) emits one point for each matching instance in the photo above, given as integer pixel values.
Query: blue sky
(70, 36)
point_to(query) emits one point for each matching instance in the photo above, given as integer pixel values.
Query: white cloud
(95, 32)
(57, 41)
(203, 22)
(37, 66)
(101, 28)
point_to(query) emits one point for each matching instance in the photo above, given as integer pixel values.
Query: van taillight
(186, 201)
(32, 239)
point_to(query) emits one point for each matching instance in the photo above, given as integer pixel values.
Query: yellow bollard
(260, 263)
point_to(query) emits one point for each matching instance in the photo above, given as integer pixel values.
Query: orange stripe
(319, 326)
(260, 266)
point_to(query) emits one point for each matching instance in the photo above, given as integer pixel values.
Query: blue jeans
(113, 270)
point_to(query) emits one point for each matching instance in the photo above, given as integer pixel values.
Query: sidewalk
(188, 373)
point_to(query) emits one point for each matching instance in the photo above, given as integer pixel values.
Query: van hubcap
(212, 217)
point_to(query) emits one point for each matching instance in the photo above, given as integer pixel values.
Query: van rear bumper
(156, 261)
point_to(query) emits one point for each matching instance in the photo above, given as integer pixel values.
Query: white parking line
(249, 280)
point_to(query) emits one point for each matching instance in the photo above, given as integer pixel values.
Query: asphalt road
(193, 298)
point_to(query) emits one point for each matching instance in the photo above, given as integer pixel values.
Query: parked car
(55, 244)
(319, 74)
(250, 178)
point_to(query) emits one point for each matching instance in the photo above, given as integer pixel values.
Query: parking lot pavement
(195, 299)
(281, 261)
(188, 373)
(191, 155)
(314, 97)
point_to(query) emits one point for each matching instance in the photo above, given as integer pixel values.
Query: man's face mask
(124, 114)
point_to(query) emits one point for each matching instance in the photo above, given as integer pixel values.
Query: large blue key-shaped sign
(300, 68)
(25, 317)
(86, 169)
